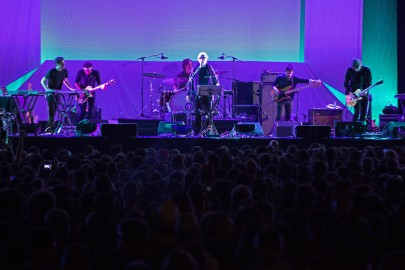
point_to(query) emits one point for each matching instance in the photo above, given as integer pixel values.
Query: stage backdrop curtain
(20, 38)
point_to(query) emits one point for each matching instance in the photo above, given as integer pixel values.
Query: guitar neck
(99, 87)
(297, 89)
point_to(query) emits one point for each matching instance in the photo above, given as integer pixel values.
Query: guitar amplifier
(269, 77)
(319, 117)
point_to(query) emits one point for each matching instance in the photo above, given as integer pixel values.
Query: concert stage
(146, 133)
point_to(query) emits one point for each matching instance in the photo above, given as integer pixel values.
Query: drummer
(183, 76)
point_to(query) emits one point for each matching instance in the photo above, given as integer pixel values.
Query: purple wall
(20, 38)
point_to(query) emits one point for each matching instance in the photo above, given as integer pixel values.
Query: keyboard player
(53, 80)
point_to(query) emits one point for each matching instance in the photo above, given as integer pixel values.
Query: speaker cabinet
(247, 129)
(348, 129)
(313, 132)
(146, 127)
(269, 77)
(324, 116)
(268, 111)
(285, 128)
(119, 130)
(31, 128)
(243, 92)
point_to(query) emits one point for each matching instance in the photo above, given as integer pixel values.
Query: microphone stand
(188, 85)
(296, 108)
(143, 60)
(234, 84)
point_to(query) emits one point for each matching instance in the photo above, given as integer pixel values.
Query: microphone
(163, 57)
(222, 57)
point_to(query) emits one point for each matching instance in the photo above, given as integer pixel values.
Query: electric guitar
(88, 91)
(285, 92)
(352, 98)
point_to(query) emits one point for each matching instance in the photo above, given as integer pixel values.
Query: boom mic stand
(235, 94)
(143, 60)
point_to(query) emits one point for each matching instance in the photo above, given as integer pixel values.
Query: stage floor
(145, 133)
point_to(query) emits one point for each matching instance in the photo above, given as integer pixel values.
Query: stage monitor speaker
(224, 125)
(394, 130)
(243, 92)
(31, 128)
(119, 130)
(348, 129)
(324, 116)
(285, 128)
(248, 112)
(386, 118)
(85, 127)
(176, 127)
(146, 127)
(247, 129)
(313, 132)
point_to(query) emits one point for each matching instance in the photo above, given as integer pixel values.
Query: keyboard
(64, 92)
(26, 92)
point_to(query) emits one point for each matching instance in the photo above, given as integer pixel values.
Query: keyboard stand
(66, 103)
(24, 105)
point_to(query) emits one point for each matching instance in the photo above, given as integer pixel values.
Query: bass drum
(178, 102)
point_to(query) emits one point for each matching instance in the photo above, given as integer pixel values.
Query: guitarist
(86, 79)
(285, 82)
(358, 77)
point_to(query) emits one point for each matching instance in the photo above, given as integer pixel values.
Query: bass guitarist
(87, 79)
(358, 77)
(285, 98)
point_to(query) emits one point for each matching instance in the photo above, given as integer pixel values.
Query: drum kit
(174, 100)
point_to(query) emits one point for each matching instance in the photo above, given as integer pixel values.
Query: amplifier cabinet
(328, 117)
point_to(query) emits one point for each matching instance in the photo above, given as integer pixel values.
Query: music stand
(208, 128)
(206, 90)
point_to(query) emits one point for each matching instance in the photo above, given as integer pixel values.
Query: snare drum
(165, 98)
(178, 102)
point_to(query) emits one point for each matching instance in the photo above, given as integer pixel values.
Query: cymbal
(220, 72)
(154, 75)
(175, 80)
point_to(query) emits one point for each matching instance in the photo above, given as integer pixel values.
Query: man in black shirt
(281, 85)
(183, 76)
(204, 74)
(358, 77)
(86, 79)
(53, 80)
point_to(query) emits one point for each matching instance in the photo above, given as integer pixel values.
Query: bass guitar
(285, 92)
(89, 90)
(353, 97)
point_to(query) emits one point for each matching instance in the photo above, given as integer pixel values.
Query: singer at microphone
(204, 75)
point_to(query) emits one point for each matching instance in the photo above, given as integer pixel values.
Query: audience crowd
(233, 208)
